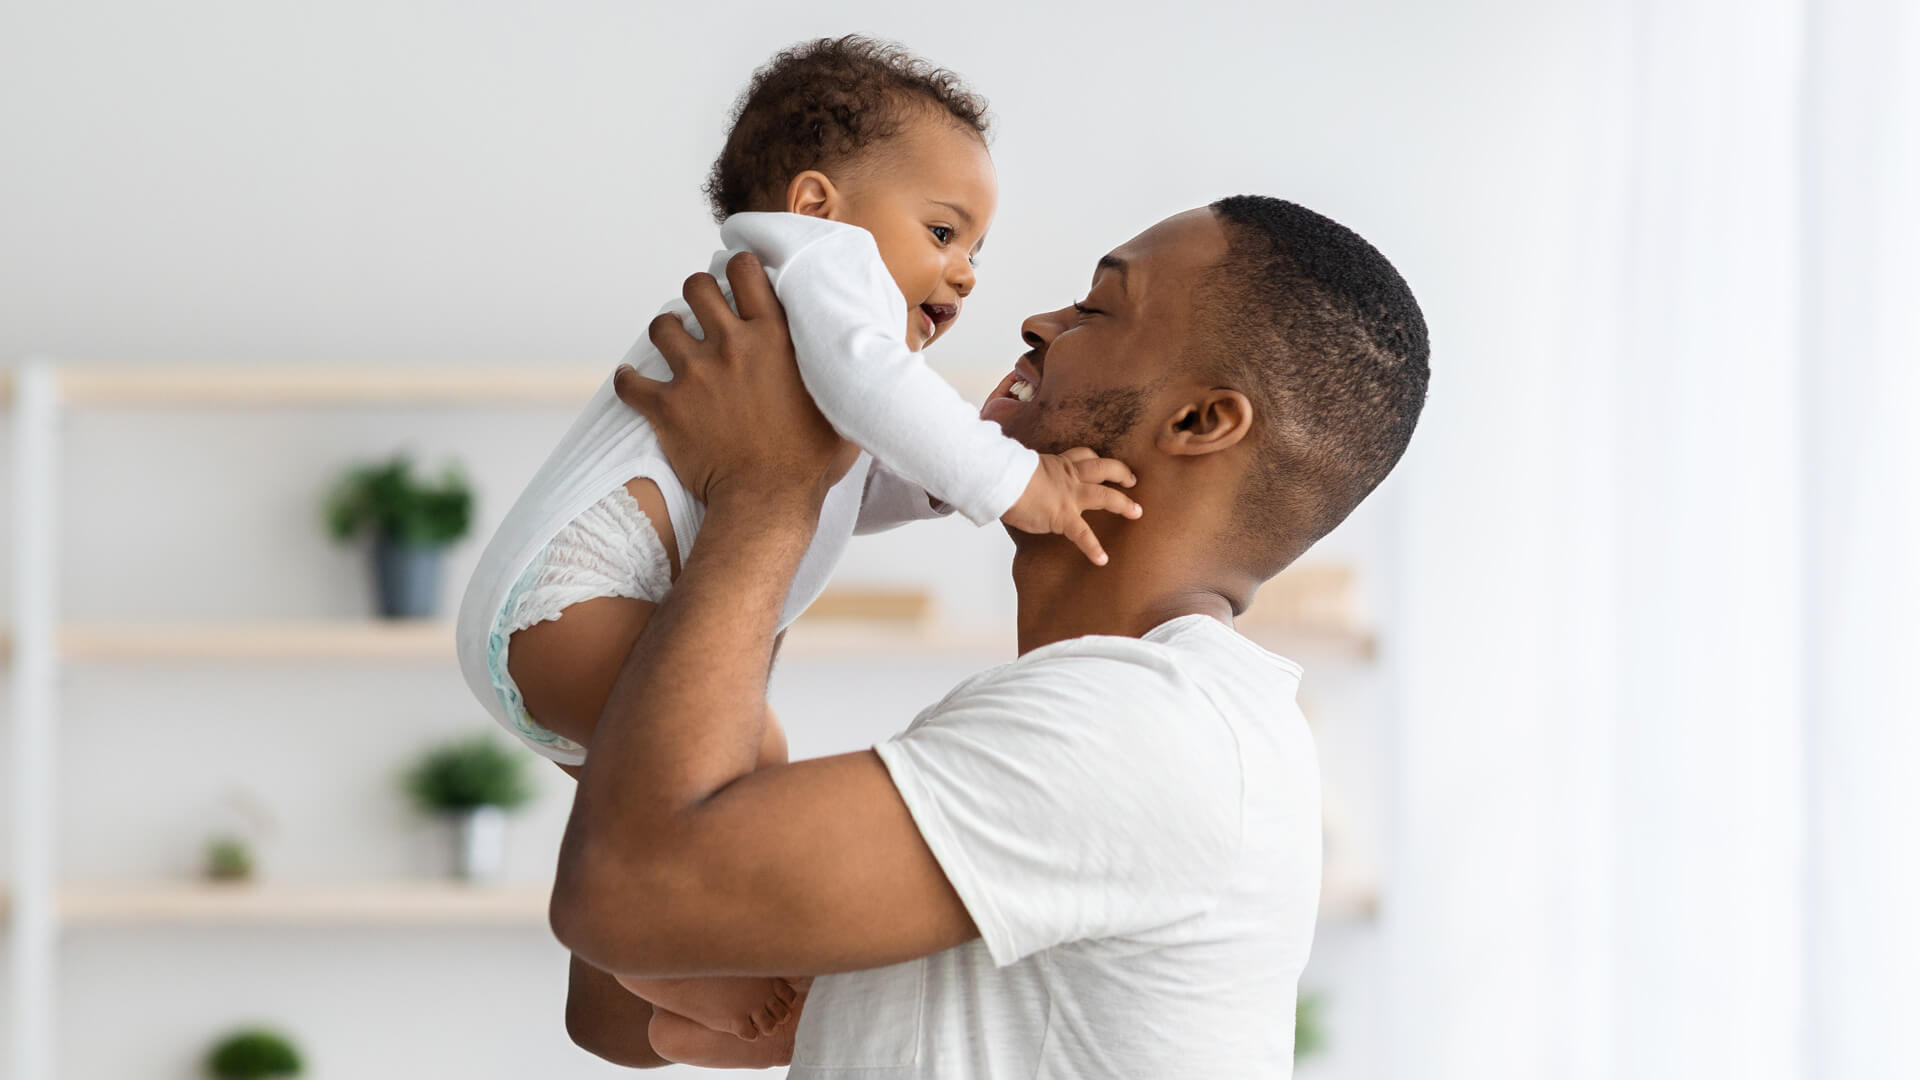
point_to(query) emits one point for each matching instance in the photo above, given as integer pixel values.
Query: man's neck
(1062, 596)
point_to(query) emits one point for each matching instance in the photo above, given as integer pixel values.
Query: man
(1099, 860)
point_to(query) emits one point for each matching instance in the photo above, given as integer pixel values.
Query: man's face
(1093, 368)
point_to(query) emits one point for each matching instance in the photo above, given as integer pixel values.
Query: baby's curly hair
(821, 103)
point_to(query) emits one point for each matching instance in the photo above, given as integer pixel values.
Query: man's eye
(941, 233)
(1085, 310)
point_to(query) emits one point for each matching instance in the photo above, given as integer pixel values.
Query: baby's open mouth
(940, 313)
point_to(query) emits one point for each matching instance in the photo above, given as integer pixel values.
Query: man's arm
(603, 1017)
(679, 858)
(606, 1020)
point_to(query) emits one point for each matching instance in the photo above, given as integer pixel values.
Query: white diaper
(611, 549)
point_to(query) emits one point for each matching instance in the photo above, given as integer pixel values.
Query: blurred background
(1613, 682)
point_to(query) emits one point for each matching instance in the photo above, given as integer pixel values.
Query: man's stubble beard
(1098, 419)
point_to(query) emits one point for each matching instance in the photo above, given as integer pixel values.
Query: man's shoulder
(1095, 680)
(1182, 651)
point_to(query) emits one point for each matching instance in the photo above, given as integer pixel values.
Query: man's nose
(1040, 330)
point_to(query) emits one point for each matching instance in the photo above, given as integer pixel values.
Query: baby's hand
(1066, 486)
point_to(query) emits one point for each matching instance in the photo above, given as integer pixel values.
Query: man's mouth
(1018, 388)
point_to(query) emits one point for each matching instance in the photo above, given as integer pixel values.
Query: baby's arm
(847, 319)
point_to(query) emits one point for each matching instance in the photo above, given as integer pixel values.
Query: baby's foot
(679, 1039)
(746, 1008)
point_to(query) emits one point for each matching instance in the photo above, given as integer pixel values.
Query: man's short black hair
(821, 103)
(1319, 330)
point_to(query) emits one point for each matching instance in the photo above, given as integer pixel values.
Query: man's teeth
(1021, 390)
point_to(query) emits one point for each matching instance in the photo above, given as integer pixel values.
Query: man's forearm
(686, 714)
(606, 1019)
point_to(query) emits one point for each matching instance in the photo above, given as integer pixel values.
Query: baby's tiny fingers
(1095, 497)
(1089, 544)
(1104, 471)
(1078, 454)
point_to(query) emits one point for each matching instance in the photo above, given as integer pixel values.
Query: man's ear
(812, 194)
(1206, 424)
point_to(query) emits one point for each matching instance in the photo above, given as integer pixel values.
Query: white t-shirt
(848, 322)
(1134, 825)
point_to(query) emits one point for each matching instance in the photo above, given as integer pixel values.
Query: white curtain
(1659, 630)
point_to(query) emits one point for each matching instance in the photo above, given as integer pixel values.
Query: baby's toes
(764, 1020)
(784, 992)
(748, 1028)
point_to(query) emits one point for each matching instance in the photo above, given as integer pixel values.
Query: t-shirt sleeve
(847, 319)
(888, 502)
(1075, 798)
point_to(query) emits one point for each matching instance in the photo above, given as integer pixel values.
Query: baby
(859, 176)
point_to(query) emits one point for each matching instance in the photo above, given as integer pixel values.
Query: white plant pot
(480, 844)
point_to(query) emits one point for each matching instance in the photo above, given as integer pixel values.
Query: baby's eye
(941, 233)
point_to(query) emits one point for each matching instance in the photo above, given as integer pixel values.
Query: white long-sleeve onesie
(847, 318)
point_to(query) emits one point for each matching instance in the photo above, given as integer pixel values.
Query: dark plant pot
(408, 578)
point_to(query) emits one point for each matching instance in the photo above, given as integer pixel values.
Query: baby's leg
(566, 667)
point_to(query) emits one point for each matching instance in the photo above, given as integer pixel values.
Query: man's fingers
(670, 336)
(637, 390)
(751, 289)
(709, 304)
(1082, 536)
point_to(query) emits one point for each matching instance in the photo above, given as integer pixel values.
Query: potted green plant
(229, 858)
(412, 523)
(230, 848)
(253, 1054)
(473, 782)
(1309, 1028)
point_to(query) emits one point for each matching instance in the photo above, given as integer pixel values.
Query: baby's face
(928, 200)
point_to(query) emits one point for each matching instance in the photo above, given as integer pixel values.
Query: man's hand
(682, 857)
(736, 419)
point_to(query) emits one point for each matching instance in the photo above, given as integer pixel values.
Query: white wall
(519, 184)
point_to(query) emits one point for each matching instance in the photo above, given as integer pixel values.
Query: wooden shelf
(141, 386)
(843, 622)
(131, 385)
(423, 903)
(393, 903)
(396, 640)
(411, 641)
(1348, 896)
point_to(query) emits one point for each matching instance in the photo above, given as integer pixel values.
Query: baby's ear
(812, 194)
